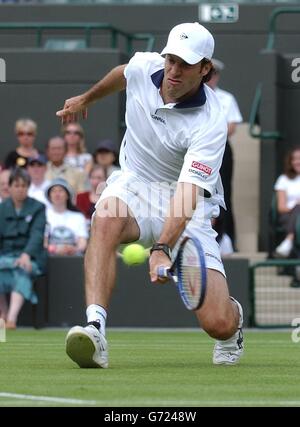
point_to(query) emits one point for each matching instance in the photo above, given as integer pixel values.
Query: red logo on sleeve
(201, 167)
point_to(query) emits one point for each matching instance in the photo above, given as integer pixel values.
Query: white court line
(158, 403)
(48, 399)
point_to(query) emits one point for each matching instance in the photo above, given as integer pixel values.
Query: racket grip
(163, 271)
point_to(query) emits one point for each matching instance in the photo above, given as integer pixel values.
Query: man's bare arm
(181, 210)
(114, 81)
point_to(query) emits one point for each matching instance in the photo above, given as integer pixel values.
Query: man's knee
(220, 327)
(107, 228)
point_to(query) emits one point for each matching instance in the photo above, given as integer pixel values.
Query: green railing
(258, 92)
(273, 20)
(86, 27)
(252, 119)
(274, 293)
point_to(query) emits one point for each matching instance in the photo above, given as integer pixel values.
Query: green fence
(275, 293)
(276, 13)
(86, 28)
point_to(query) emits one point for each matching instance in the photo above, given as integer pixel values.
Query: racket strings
(191, 280)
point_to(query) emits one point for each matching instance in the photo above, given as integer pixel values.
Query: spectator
(4, 187)
(67, 232)
(26, 130)
(233, 117)
(56, 168)
(287, 189)
(37, 170)
(223, 239)
(22, 227)
(76, 154)
(86, 201)
(106, 155)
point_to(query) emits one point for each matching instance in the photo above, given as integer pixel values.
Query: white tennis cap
(191, 42)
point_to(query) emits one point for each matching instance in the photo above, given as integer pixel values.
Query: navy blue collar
(196, 100)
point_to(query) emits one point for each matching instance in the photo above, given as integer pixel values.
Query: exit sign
(216, 12)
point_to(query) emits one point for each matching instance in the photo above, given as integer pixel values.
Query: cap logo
(183, 36)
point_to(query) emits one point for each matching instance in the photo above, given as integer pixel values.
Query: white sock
(240, 311)
(96, 313)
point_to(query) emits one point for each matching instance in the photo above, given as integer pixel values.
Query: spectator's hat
(107, 145)
(191, 42)
(62, 183)
(218, 65)
(40, 159)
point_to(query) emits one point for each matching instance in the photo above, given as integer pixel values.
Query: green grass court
(149, 369)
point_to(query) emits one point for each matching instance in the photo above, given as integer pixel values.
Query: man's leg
(221, 317)
(100, 259)
(110, 227)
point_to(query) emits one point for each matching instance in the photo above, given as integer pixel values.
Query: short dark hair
(212, 70)
(19, 173)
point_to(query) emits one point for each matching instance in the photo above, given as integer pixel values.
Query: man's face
(56, 150)
(18, 190)
(181, 80)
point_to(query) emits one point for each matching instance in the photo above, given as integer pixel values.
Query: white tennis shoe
(87, 347)
(228, 352)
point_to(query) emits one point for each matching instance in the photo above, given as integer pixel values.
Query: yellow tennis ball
(134, 254)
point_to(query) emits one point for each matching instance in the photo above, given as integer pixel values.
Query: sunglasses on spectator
(21, 133)
(73, 132)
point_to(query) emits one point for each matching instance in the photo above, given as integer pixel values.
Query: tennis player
(176, 133)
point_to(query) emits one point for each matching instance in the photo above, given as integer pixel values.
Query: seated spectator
(4, 187)
(287, 189)
(76, 154)
(26, 130)
(67, 231)
(106, 155)
(56, 168)
(37, 170)
(22, 256)
(225, 242)
(86, 201)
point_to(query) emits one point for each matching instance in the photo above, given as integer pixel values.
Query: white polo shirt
(181, 142)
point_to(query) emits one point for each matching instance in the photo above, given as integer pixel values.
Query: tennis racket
(188, 272)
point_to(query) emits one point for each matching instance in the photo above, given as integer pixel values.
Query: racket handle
(166, 272)
(163, 271)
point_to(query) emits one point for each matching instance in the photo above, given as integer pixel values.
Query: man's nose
(176, 69)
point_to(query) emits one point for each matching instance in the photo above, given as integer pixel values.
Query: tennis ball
(134, 254)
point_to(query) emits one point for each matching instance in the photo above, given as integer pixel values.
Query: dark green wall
(136, 302)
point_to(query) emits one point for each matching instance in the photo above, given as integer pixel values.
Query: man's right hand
(72, 108)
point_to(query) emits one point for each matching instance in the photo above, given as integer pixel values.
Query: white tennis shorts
(149, 202)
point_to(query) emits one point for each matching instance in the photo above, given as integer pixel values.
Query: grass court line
(158, 403)
(47, 399)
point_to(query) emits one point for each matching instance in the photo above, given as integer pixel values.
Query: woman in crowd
(25, 130)
(22, 255)
(67, 231)
(86, 201)
(287, 189)
(76, 154)
(106, 155)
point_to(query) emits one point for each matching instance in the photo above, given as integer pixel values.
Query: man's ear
(206, 69)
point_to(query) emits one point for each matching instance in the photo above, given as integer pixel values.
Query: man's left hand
(158, 259)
